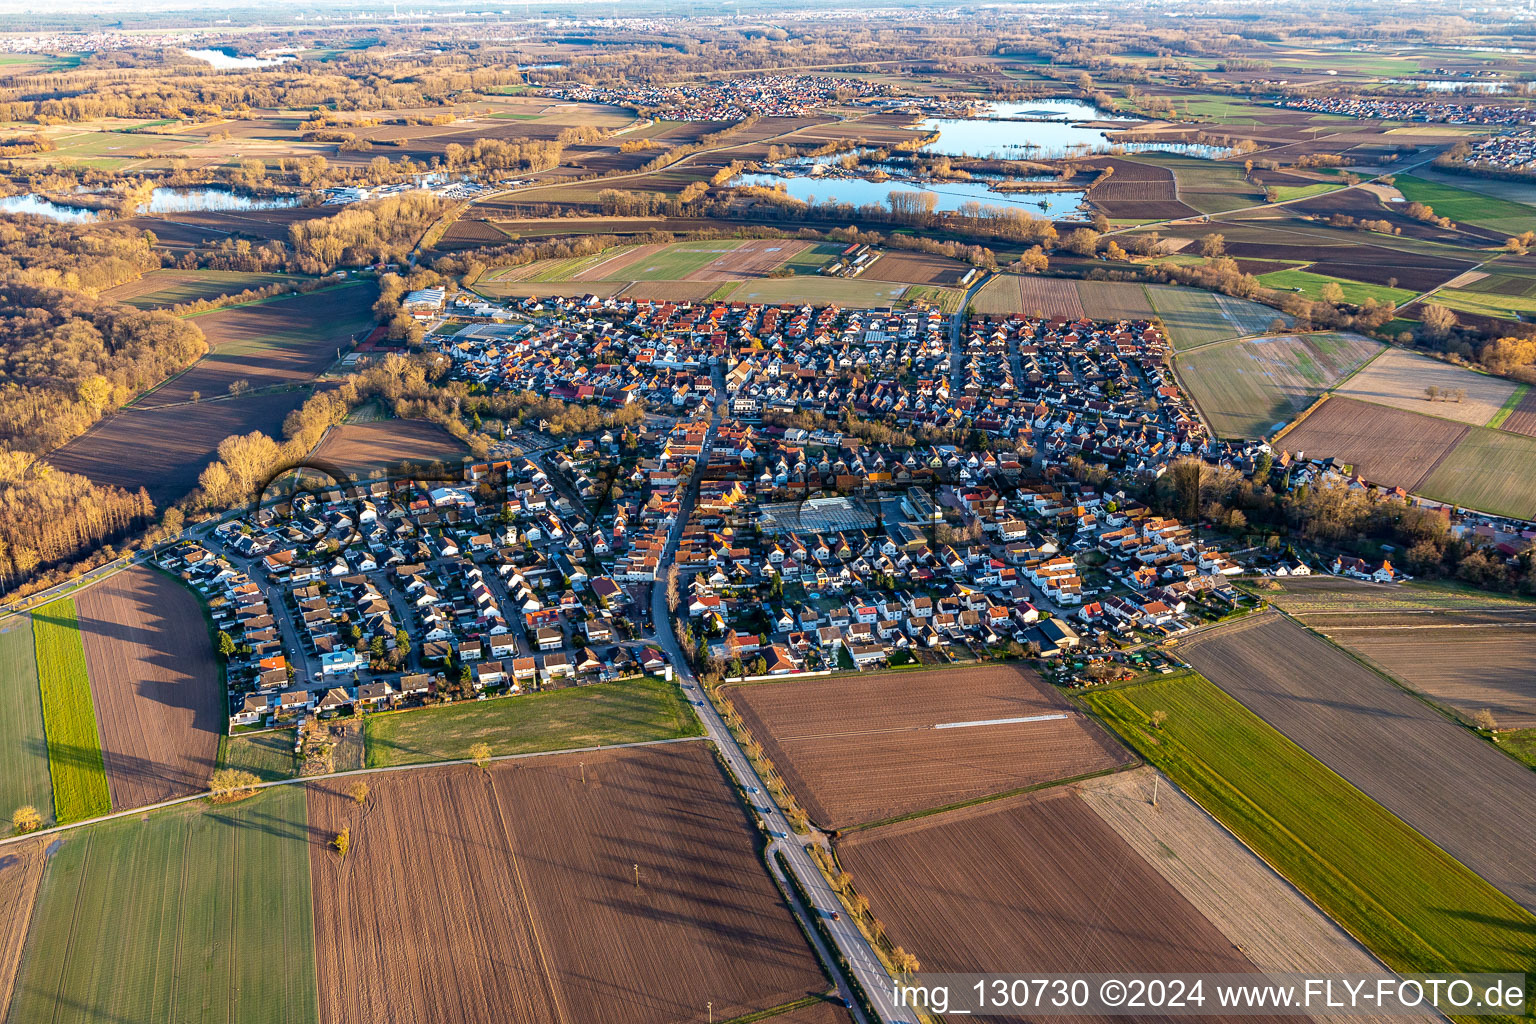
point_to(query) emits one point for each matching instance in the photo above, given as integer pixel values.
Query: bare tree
(358, 791)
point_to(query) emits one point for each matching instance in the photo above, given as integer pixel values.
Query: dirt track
(509, 895)
(155, 686)
(860, 749)
(1473, 801)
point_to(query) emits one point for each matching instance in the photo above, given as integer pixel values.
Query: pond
(194, 200)
(224, 60)
(1451, 85)
(949, 195)
(161, 200)
(36, 204)
(1042, 129)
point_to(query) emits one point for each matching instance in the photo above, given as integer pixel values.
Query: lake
(36, 204)
(225, 61)
(949, 195)
(196, 200)
(1041, 129)
(161, 200)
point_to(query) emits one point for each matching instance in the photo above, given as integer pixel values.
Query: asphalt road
(852, 945)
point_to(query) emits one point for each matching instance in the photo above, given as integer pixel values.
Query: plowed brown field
(1391, 447)
(510, 895)
(21, 869)
(860, 749)
(358, 448)
(155, 686)
(750, 260)
(1031, 883)
(1007, 294)
(1470, 799)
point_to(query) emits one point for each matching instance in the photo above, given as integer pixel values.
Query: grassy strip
(69, 716)
(1408, 901)
(1519, 744)
(24, 754)
(778, 1011)
(1508, 406)
(267, 755)
(632, 711)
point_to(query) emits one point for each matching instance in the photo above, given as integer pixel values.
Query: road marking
(1001, 721)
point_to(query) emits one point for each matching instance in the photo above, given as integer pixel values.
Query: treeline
(382, 230)
(249, 295)
(503, 155)
(48, 518)
(189, 89)
(1334, 516)
(553, 415)
(80, 257)
(67, 358)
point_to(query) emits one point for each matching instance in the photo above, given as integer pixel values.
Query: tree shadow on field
(81, 1010)
(265, 823)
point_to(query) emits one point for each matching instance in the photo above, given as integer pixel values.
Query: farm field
(164, 450)
(1311, 596)
(1251, 317)
(1012, 871)
(24, 754)
(1472, 661)
(1386, 446)
(159, 702)
(21, 869)
(1398, 378)
(198, 912)
(1407, 900)
(1520, 418)
(1252, 388)
(579, 716)
(1311, 285)
(359, 449)
(1490, 470)
(1275, 926)
(74, 745)
(542, 877)
(1460, 204)
(267, 755)
(861, 749)
(1006, 294)
(169, 287)
(283, 340)
(1210, 186)
(1395, 748)
(896, 265)
(1115, 300)
(1495, 304)
(1194, 317)
(860, 292)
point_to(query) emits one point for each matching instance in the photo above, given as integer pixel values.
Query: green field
(678, 260)
(1490, 470)
(267, 755)
(1251, 388)
(946, 299)
(580, 716)
(160, 288)
(1408, 901)
(1509, 406)
(1507, 307)
(1193, 316)
(820, 291)
(24, 754)
(69, 716)
(1311, 285)
(1285, 193)
(1459, 204)
(196, 913)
